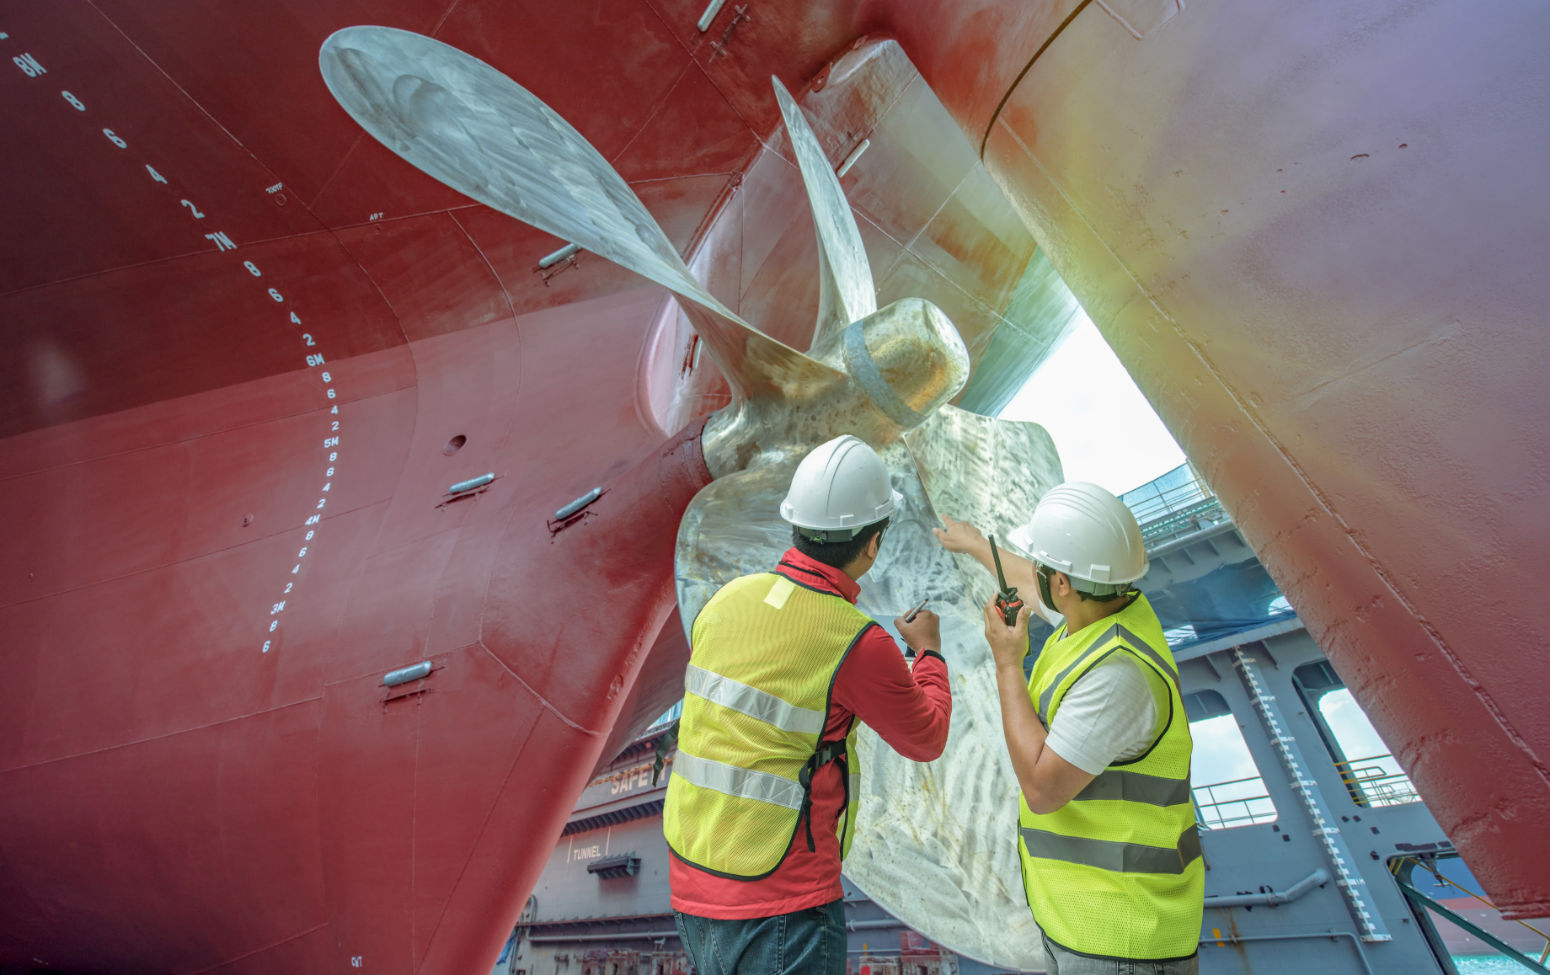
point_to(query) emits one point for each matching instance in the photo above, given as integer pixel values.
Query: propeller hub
(908, 358)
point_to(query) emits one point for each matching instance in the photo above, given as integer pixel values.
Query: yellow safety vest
(756, 699)
(1117, 872)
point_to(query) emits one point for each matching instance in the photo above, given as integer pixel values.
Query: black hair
(836, 554)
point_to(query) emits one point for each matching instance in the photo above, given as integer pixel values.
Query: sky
(1059, 396)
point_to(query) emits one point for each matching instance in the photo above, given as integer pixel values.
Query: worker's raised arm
(960, 536)
(910, 709)
(1047, 781)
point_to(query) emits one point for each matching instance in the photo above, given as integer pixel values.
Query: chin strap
(1045, 596)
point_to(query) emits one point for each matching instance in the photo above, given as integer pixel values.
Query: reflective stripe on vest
(1127, 786)
(1110, 855)
(733, 781)
(753, 702)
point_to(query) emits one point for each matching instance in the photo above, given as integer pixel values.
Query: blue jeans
(1063, 962)
(810, 942)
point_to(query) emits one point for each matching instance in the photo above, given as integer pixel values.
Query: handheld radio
(1006, 600)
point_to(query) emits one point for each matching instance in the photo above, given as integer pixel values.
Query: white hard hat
(1087, 533)
(839, 488)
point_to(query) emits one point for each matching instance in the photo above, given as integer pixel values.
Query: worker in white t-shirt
(1099, 741)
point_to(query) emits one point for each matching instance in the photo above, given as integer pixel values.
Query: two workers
(762, 803)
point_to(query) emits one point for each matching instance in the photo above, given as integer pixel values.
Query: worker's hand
(924, 632)
(1008, 644)
(960, 536)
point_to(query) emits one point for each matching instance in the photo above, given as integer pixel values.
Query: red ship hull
(1319, 257)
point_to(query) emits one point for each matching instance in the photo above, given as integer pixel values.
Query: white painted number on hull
(30, 66)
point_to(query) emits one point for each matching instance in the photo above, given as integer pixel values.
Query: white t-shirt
(1108, 715)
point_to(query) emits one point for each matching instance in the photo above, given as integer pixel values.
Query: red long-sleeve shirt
(909, 710)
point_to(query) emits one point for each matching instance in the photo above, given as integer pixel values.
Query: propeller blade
(985, 470)
(933, 845)
(474, 129)
(731, 528)
(846, 292)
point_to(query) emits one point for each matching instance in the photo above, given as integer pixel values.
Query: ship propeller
(464, 123)
(934, 842)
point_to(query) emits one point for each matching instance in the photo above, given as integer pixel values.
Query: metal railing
(1376, 785)
(1215, 811)
(1421, 903)
(1177, 510)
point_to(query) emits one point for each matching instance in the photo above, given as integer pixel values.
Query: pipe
(406, 674)
(850, 160)
(563, 254)
(709, 15)
(1273, 897)
(578, 504)
(474, 482)
(1361, 953)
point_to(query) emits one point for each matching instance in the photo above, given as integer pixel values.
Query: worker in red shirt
(762, 802)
